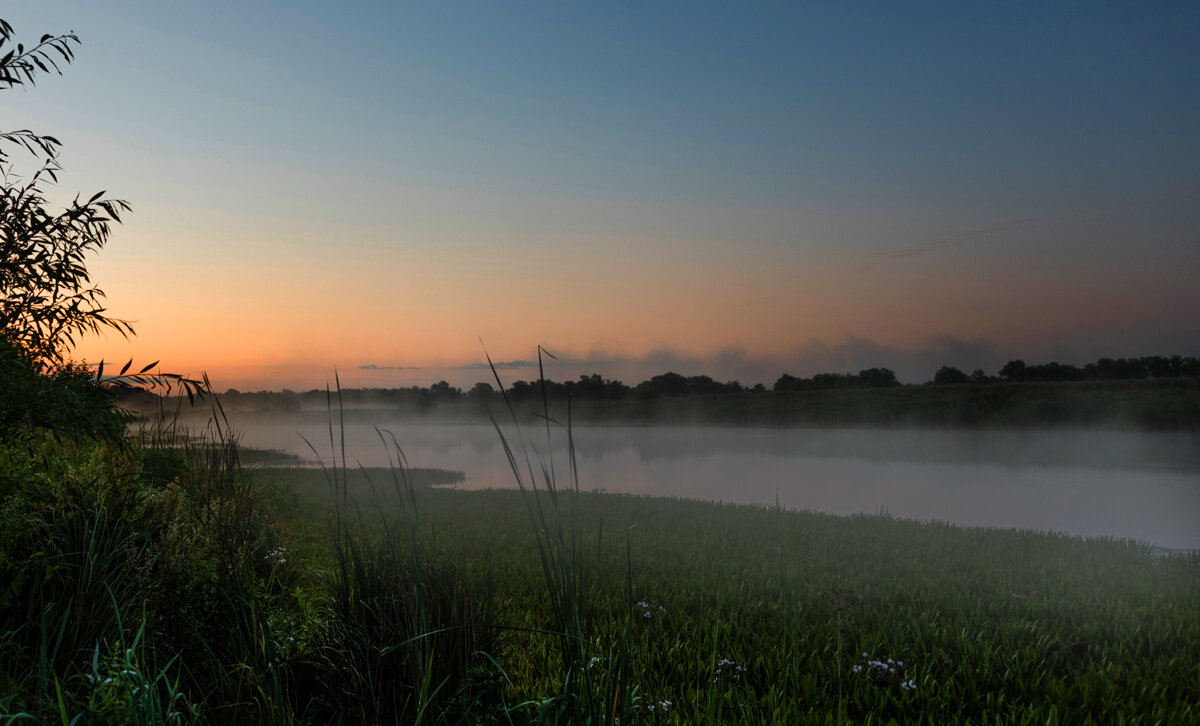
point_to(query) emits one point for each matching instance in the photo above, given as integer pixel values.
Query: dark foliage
(948, 375)
(869, 378)
(66, 399)
(46, 296)
(1105, 369)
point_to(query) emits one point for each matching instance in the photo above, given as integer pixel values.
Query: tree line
(1105, 369)
(594, 387)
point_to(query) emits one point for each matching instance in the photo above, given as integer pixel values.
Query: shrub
(66, 398)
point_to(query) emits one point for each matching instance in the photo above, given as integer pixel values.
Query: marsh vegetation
(159, 580)
(151, 575)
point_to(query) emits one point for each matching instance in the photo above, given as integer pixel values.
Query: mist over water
(1090, 483)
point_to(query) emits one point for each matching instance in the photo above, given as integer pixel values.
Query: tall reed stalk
(405, 628)
(594, 653)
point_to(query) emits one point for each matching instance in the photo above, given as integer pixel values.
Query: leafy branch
(20, 66)
(47, 299)
(194, 388)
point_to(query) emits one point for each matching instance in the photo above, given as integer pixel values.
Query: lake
(1090, 483)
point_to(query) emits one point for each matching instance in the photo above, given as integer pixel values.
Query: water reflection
(1085, 483)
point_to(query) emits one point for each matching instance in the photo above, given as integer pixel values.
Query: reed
(404, 628)
(159, 587)
(594, 644)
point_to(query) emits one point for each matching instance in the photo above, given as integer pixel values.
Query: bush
(66, 398)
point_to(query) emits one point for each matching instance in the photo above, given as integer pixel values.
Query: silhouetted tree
(1122, 368)
(702, 385)
(445, 392)
(830, 381)
(47, 299)
(1013, 371)
(790, 383)
(482, 392)
(520, 391)
(668, 384)
(596, 388)
(948, 375)
(46, 295)
(877, 378)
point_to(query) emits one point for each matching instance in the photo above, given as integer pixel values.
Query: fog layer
(1090, 483)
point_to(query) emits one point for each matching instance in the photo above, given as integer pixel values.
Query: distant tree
(589, 388)
(877, 378)
(595, 388)
(1050, 372)
(1013, 371)
(702, 385)
(482, 392)
(645, 391)
(978, 376)
(520, 391)
(1055, 371)
(1155, 366)
(1104, 369)
(288, 400)
(829, 381)
(788, 382)
(444, 391)
(1017, 371)
(948, 375)
(668, 384)
(615, 390)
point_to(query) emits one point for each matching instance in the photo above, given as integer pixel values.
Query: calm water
(1138, 486)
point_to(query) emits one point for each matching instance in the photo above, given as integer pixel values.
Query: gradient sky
(734, 189)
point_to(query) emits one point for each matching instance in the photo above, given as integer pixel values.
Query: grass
(170, 584)
(1005, 625)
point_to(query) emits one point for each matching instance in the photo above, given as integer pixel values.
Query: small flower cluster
(663, 706)
(728, 670)
(884, 672)
(277, 556)
(650, 610)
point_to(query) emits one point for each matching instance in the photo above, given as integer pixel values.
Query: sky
(388, 190)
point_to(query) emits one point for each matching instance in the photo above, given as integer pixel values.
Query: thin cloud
(373, 367)
(503, 365)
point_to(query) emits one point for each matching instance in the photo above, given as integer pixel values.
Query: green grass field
(754, 615)
(148, 582)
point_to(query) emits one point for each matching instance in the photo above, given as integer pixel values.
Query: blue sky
(706, 182)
